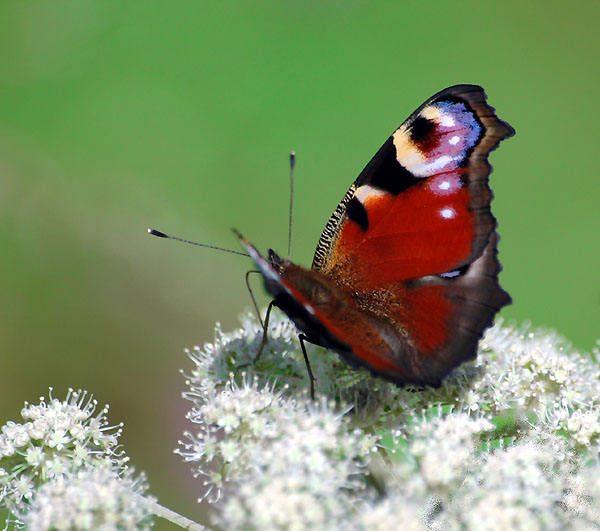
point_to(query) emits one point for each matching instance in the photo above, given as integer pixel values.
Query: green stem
(159, 510)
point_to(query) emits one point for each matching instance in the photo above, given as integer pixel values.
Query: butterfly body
(404, 277)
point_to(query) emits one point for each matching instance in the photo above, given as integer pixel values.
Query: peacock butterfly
(404, 280)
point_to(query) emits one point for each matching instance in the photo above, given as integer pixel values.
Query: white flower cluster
(509, 441)
(93, 498)
(443, 446)
(61, 446)
(307, 449)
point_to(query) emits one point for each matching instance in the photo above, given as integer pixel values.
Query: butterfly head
(277, 263)
(272, 266)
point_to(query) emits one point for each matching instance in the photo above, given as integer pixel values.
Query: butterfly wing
(414, 240)
(404, 278)
(422, 204)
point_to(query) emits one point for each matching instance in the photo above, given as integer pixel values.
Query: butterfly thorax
(326, 292)
(314, 287)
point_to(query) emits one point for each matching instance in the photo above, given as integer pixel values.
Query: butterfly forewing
(422, 204)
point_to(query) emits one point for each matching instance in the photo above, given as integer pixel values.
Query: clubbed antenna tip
(157, 233)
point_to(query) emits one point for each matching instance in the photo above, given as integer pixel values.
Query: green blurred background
(119, 115)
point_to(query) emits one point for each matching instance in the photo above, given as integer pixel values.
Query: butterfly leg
(264, 325)
(311, 377)
(252, 295)
(265, 336)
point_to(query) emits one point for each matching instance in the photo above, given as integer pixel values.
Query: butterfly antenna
(163, 235)
(292, 165)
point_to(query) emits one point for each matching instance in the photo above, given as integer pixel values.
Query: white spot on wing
(450, 274)
(447, 120)
(366, 192)
(454, 140)
(447, 213)
(437, 164)
(444, 184)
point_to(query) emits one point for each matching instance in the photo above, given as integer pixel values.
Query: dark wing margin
(475, 297)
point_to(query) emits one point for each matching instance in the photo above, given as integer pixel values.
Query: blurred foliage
(118, 115)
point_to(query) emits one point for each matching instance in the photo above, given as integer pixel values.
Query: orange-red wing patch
(422, 205)
(420, 232)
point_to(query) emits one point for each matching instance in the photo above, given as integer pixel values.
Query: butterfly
(404, 280)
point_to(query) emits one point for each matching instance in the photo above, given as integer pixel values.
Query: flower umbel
(53, 465)
(92, 498)
(510, 439)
